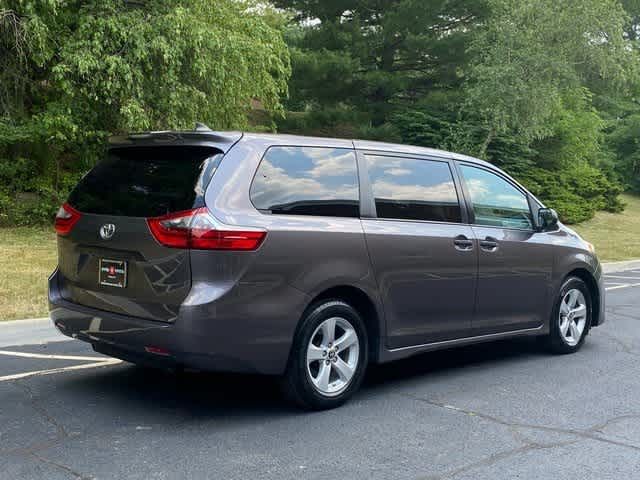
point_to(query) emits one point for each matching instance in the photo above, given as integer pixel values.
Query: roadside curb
(31, 331)
(24, 321)
(614, 267)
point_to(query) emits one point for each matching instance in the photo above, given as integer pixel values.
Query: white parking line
(50, 357)
(628, 285)
(103, 363)
(621, 276)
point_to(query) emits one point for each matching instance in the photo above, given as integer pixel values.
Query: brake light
(66, 218)
(197, 229)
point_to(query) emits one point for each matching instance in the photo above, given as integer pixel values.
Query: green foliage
(568, 182)
(547, 90)
(170, 64)
(517, 82)
(624, 139)
(72, 73)
(373, 55)
(533, 53)
(577, 192)
(26, 196)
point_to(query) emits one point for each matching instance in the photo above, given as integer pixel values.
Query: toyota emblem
(107, 230)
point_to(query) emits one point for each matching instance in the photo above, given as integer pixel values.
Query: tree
(74, 72)
(517, 82)
(535, 53)
(373, 55)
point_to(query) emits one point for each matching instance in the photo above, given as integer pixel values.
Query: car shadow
(449, 360)
(206, 395)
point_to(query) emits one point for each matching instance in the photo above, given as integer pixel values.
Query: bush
(557, 169)
(576, 192)
(72, 73)
(27, 197)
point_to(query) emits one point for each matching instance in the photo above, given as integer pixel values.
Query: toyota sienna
(310, 258)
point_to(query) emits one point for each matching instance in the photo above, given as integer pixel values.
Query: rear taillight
(66, 218)
(197, 229)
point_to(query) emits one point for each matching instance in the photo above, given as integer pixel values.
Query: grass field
(616, 236)
(28, 256)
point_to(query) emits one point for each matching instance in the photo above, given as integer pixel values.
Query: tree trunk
(487, 141)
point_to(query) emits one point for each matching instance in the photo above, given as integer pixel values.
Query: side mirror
(547, 219)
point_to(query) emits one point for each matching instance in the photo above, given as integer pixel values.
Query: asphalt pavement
(492, 411)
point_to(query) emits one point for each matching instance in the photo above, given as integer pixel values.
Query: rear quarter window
(147, 181)
(307, 181)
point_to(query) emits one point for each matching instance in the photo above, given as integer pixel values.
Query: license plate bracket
(112, 273)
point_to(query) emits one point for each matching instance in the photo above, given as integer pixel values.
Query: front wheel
(571, 317)
(328, 358)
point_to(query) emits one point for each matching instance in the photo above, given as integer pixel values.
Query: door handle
(462, 243)
(489, 244)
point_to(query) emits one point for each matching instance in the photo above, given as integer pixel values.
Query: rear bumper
(201, 337)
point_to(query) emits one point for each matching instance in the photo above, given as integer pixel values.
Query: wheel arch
(366, 307)
(587, 277)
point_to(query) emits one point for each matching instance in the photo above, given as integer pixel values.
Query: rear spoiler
(201, 136)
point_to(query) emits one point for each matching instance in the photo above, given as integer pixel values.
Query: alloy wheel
(332, 356)
(572, 316)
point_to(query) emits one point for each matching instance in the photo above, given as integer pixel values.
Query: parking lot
(501, 410)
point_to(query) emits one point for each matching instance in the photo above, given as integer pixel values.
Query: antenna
(201, 127)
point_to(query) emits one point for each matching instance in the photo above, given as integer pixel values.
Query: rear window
(147, 181)
(307, 181)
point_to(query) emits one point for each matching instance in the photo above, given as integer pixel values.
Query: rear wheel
(571, 317)
(328, 357)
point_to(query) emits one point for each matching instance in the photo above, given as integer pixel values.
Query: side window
(413, 189)
(496, 202)
(307, 181)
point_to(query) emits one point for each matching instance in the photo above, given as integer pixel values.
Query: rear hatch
(109, 259)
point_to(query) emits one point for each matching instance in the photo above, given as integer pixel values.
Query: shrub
(576, 192)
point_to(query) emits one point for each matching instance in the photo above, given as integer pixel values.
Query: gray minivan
(309, 258)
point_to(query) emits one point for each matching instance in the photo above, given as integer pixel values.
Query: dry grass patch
(27, 258)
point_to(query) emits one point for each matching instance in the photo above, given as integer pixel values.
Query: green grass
(616, 236)
(27, 257)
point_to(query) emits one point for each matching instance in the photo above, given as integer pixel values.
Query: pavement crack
(628, 349)
(599, 428)
(494, 458)
(61, 466)
(589, 433)
(61, 431)
(35, 447)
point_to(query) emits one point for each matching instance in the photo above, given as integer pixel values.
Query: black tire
(555, 341)
(296, 383)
